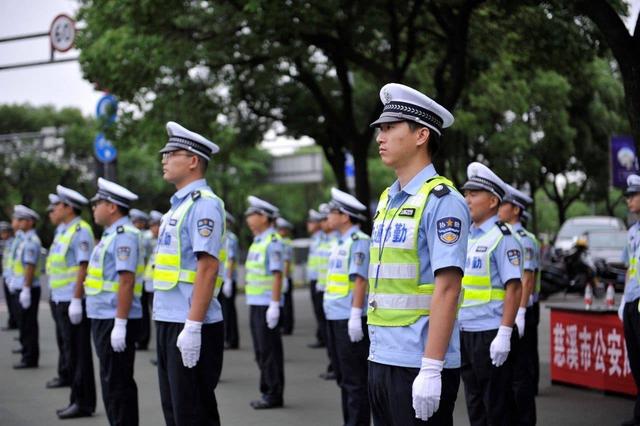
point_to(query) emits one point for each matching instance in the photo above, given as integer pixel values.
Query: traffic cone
(588, 296)
(609, 300)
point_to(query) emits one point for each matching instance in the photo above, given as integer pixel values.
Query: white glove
(354, 325)
(500, 346)
(427, 387)
(75, 311)
(621, 309)
(227, 288)
(273, 314)
(118, 335)
(189, 342)
(25, 297)
(520, 321)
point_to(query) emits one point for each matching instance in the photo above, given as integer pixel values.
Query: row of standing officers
(443, 289)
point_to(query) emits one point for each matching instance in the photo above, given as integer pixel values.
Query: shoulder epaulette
(355, 236)
(522, 233)
(195, 195)
(274, 238)
(441, 190)
(503, 228)
(120, 229)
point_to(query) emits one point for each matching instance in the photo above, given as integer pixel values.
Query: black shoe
(316, 345)
(230, 346)
(153, 361)
(630, 422)
(328, 376)
(56, 382)
(141, 347)
(60, 410)
(261, 404)
(72, 412)
(22, 365)
(16, 350)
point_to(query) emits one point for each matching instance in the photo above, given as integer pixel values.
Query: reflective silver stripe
(393, 271)
(402, 301)
(109, 285)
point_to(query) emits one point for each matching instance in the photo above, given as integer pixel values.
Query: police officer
(67, 269)
(227, 296)
(113, 286)
(8, 258)
(63, 378)
(492, 294)
(418, 253)
(329, 239)
(264, 279)
(315, 236)
(188, 272)
(6, 239)
(345, 301)
(511, 210)
(155, 217)
(140, 220)
(284, 228)
(25, 284)
(629, 310)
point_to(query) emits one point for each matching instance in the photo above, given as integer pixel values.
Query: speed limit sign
(62, 33)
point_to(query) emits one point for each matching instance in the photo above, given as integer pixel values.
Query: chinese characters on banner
(588, 349)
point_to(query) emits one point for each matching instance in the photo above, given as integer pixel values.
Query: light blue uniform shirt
(340, 309)
(404, 346)
(316, 238)
(174, 305)
(231, 243)
(632, 288)
(79, 251)
(103, 305)
(530, 248)
(13, 244)
(489, 316)
(29, 250)
(274, 262)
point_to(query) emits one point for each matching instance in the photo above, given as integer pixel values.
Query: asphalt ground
(308, 399)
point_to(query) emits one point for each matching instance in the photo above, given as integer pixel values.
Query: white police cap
(314, 216)
(347, 204)
(324, 210)
(53, 200)
(480, 177)
(71, 197)
(23, 212)
(259, 206)
(281, 222)
(516, 197)
(229, 217)
(181, 138)
(114, 193)
(155, 217)
(633, 185)
(136, 214)
(5, 226)
(402, 103)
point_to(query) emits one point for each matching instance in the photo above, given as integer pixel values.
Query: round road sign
(104, 149)
(62, 33)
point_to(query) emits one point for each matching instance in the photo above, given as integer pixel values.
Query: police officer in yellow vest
(8, 258)
(25, 284)
(227, 296)
(345, 301)
(513, 206)
(155, 217)
(492, 294)
(629, 310)
(418, 251)
(140, 220)
(67, 269)
(113, 286)
(264, 280)
(313, 259)
(284, 228)
(6, 239)
(188, 273)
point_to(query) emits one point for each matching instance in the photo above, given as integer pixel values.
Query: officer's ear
(494, 201)
(422, 134)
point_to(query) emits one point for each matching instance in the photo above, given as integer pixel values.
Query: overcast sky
(61, 84)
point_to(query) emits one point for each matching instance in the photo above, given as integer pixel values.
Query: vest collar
(414, 185)
(74, 221)
(183, 192)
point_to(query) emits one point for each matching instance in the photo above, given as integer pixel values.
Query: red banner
(588, 349)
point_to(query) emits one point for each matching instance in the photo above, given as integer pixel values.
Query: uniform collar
(264, 234)
(485, 226)
(29, 233)
(414, 185)
(65, 226)
(124, 220)
(517, 226)
(19, 233)
(350, 232)
(183, 192)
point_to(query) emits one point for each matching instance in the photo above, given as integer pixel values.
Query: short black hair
(202, 164)
(434, 138)
(124, 211)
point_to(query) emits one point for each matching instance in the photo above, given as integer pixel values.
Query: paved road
(309, 400)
